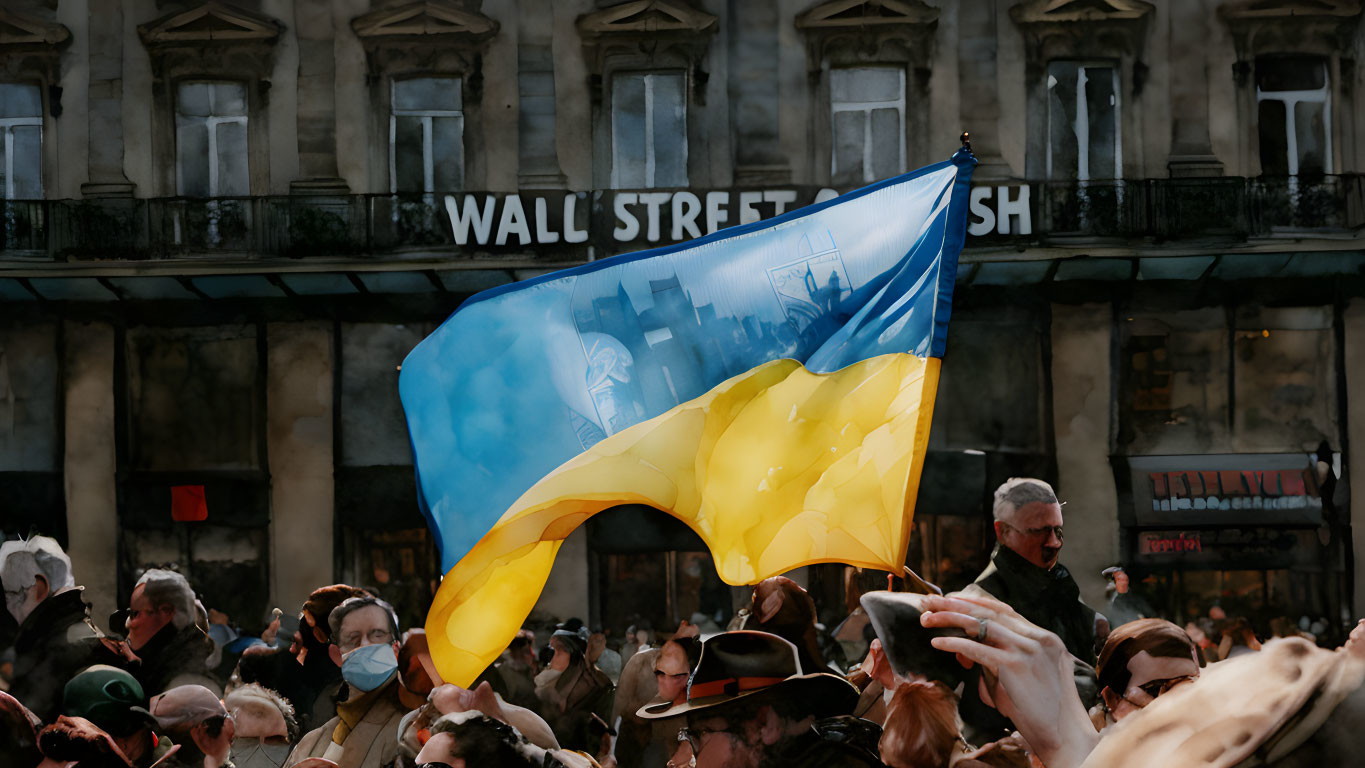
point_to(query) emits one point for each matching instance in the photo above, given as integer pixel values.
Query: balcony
(388, 227)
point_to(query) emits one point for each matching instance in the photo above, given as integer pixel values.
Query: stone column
(1354, 321)
(313, 26)
(105, 102)
(299, 434)
(1191, 150)
(753, 43)
(1080, 414)
(89, 463)
(977, 67)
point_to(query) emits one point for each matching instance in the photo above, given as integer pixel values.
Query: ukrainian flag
(769, 385)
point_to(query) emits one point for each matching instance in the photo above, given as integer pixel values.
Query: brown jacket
(372, 743)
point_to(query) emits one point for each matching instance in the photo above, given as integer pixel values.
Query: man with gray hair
(172, 649)
(56, 638)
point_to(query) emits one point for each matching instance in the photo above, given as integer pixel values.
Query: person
(79, 743)
(518, 669)
(55, 638)
(1125, 605)
(364, 732)
(264, 724)
(750, 704)
(171, 649)
(1142, 660)
(198, 722)
(471, 739)
(784, 608)
(600, 654)
(113, 700)
(18, 734)
(572, 691)
(657, 740)
(1238, 639)
(448, 699)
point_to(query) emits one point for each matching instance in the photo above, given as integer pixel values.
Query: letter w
(460, 220)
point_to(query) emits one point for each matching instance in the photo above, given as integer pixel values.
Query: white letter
(543, 233)
(652, 201)
(825, 194)
(630, 226)
(513, 220)
(715, 210)
(1007, 208)
(747, 211)
(979, 208)
(685, 219)
(572, 235)
(460, 220)
(781, 197)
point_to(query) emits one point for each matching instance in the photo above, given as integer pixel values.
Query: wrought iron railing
(383, 225)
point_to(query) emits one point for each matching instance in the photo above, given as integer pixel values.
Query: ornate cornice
(865, 30)
(1303, 26)
(1099, 28)
(662, 32)
(210, 23)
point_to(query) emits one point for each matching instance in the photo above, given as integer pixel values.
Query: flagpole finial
(967, 141)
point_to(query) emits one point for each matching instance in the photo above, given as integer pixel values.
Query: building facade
(226, 223)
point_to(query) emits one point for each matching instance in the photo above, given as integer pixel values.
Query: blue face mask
(367, 667)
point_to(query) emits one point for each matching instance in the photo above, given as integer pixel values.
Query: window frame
(1290, 129)
(650, 159)
(428, 153)
(211, 123)
(867, 107)
(1082, 153)
(7, 125)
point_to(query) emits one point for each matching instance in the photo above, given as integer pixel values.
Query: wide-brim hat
(741, 664)
(895, 618)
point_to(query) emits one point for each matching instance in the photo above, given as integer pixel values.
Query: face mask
(367, 667)
(253, 753)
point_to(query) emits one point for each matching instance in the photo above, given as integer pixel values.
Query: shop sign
(1229, 548)
(1249, 489)
(619, 221)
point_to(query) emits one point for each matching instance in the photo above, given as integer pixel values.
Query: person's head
(469, 739)
(570, 648)
(921, 727)
(196, 720)
(1028, 520)
(314, 635)
(365, 642)
(18, 734)
(30, 572)
(1142, 660)
(111, 699)
(75, 739)
(161, 598)
(1239, 629)
(265, 727)
(413, 655)
(522, 649)
(676, 660)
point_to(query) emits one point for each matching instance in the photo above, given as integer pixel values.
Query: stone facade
(1144, 285)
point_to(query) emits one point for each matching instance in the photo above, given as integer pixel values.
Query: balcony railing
(380, 226)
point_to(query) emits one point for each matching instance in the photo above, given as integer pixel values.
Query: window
(21, 133)
(867, 116)
(426, 135)
(210, 139)
(1294, 108)
(1082, 121)
(648, 130)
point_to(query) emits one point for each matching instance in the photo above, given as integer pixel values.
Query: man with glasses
(1142, 660)
(364, 733)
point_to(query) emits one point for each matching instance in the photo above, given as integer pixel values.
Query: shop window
(426, 135)
(1082, 121)
(211, 139)
(21, 133)
(649, 130)
(867, 115)
(1294, 110)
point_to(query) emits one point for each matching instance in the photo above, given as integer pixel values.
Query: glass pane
(1290, 73)
(447, 136)
(887, 140)
(1309, 133)
(192, 156)
(628, 130)
(4, 138)
(229, 99)
(20, 100)
(427, 94)
(194, 99)
(28, 180)
(1101, 103)
(670, 131)
(864, 84)
(848, 147)
(1274, 142)
(407, 154)
(536, 84)
(1061, 119)
(233, 179)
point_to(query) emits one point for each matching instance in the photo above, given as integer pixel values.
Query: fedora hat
(737, 665)
(895, 618)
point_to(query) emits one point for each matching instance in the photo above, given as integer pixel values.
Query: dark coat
(175, 657)
(54, 643)
(584, 691)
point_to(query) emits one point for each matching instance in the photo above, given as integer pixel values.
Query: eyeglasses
(375, 636)
(693, 737)
(659, 674)
(1040, 532)
(1142, 695)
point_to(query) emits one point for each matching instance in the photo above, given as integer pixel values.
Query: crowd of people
(1015, 670)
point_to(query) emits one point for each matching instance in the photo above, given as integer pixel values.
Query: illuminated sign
(1227, 489)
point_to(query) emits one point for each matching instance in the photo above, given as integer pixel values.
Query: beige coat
(373, 743)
